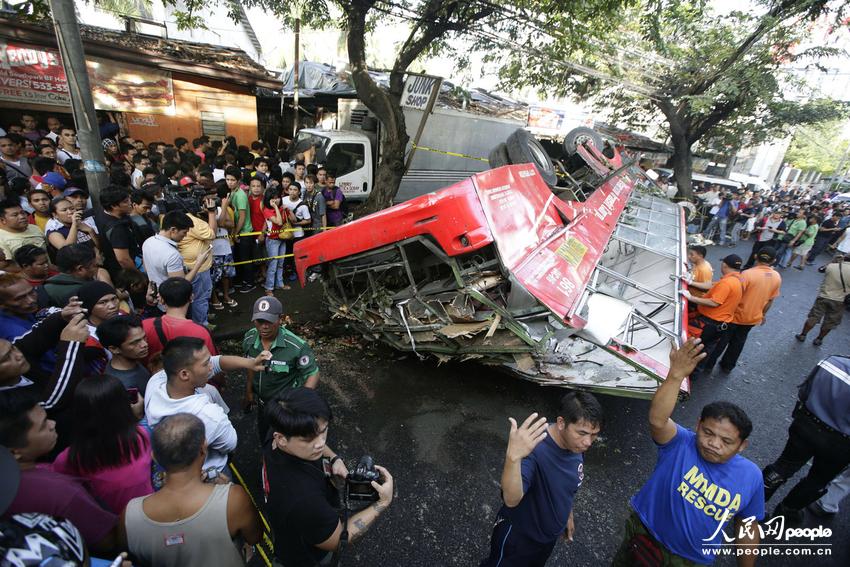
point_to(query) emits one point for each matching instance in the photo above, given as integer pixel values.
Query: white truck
(353, 149)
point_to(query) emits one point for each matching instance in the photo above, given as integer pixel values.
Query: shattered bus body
(501, 270)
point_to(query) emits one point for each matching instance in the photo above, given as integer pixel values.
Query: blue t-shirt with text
(550, 479)
(687, 498)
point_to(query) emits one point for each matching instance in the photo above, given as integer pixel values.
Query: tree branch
(717, 115)
(780, 12)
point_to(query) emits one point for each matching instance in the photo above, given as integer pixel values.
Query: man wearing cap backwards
(761, 286)
(829, 304)
(53, 183)
(717, 307)
(292, 365)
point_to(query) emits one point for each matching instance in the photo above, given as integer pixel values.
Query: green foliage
(818, 147)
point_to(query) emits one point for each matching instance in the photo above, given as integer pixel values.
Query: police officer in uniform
(292, 365)
(820, 432)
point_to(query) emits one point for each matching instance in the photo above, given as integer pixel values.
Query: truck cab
(349, 153)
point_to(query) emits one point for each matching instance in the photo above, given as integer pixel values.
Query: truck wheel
(580, 136)
(523, 147)
(499, 156)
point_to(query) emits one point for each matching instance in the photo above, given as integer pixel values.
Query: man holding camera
(192, 248)
(543, 470)
(301, 500)
(292, 364)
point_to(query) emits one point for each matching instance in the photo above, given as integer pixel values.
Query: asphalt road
(441, 431)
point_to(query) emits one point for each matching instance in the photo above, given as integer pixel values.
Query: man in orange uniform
(761, 287)
(716, 309)
(701, 272)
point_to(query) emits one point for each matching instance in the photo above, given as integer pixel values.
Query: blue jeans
(717, 224)
(201, 292)
(274, 272)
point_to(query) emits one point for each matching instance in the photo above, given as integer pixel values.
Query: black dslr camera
(358, 484)
(186, 199)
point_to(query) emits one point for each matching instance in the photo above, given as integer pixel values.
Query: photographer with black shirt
(301, 500)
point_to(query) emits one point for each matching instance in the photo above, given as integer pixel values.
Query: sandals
(231, 303)
(217, 306)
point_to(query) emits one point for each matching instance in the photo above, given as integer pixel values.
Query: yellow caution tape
(259, 232)
(258, 260)
(445, 153)
(266, 539)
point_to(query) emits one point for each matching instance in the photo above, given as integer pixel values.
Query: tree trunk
(682, 159)
(390, 170)
(682, 163)
(386, 106)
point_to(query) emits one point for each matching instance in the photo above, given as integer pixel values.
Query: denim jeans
(737, 230)
(716, 224)
(785, 257)
(274, 273)
(201, 292)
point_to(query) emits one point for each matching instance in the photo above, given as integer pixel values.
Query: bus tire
(523, 147)
(581, 135)
(499, 156)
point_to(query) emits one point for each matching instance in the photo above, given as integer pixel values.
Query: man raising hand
(542, 472)
(699, 484)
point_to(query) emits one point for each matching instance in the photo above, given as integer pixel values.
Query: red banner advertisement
(34, 75)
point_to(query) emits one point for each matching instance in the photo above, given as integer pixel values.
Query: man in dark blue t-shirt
(700, 481)
(542, 472)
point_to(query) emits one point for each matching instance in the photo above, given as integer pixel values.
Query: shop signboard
(34, 75)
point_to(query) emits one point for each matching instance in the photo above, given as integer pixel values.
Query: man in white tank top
(189, 521)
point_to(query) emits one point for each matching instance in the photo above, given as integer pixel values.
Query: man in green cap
(292, 365)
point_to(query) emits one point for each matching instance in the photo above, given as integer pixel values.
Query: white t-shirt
(205, 403)
(765, 234)
(160, 256)
(844, 245)
(302, 213)
(137, 177)
(221, 244)
(63, 155)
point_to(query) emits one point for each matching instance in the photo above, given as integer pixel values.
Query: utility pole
(74, 61)
(295, 71)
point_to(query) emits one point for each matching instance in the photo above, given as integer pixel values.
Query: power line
(572, 66)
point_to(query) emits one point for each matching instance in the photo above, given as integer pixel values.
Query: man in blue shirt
(542, 472)
(720, 220)
(700, 481)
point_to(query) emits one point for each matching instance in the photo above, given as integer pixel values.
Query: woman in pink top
(108, 447)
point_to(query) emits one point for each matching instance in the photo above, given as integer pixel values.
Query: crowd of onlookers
(222, 190)
(106, 353)
(798, 222)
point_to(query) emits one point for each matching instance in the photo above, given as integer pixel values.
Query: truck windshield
(304, 140)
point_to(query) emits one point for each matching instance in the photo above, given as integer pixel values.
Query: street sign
(418, 90)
